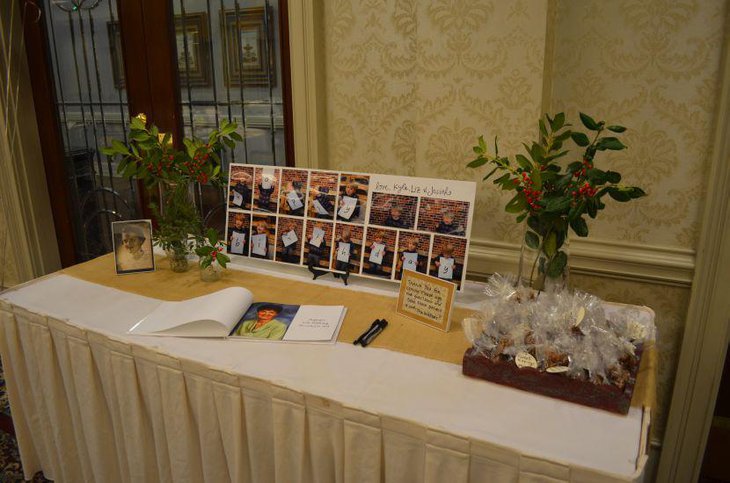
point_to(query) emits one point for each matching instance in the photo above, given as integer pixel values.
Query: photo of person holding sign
(447, 261)
(348, 246)
(412, 253)
(266, 190)
(318, 244)
(288, 243)
(238, 233)
(240, 187)
(379, 249)
(322, 191)
(262, 238)
(352, 199)
(293, 192)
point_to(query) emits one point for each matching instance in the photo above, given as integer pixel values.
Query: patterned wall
(410, 85)
(8, 271)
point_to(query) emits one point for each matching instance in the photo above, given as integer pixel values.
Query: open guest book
(231, 312)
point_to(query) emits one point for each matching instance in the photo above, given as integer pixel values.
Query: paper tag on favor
(557, 369)
(636, 330)
(525, 359)
(579, 317)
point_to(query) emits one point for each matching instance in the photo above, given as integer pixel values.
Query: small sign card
(237, 198)
(410, 261)
(343, 252)
(446, 268)
(426, 299)
(238, 241)
(268, 178)
(258, 244)
(317, 237)
(293, 199)
(377, 252)
(289, 238)
(319, 208)
(347, 207)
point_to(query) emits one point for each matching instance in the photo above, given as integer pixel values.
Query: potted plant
(151, 157)
(212, 257)
(553, 197)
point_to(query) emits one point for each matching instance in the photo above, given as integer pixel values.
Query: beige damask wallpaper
(410, 85)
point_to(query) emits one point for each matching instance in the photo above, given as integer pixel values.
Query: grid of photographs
(363, 224)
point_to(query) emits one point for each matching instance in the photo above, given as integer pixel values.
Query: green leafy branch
(211, 251)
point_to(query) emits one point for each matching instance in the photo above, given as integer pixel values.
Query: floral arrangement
(211, 251)
(151, 157)
(553, 197)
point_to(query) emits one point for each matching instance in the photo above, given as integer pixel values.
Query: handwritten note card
(426, 299)
(347, 207)
(237, 198)
(317, 237)
(343, 252)
(238, 241)
(289, 238)
(258, 245)
(377, 252)
(294, 201)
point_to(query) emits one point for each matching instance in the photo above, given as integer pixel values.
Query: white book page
(212, 315)
(315, 323)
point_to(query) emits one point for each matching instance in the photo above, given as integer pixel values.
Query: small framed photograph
(248, 52)
(133, 246)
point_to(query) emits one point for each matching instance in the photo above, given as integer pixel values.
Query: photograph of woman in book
(412, 253)
(317, 246)
(289, 240)
(379, 250)
(394, 211)
(353, 198)
(293, 192)
(263, 242)
(240, 187)
(266, 321)
(133, 246)
(266, 189)
(322, 190)
(447, 260)
(447, 217)
(239, 230)
(348, 246)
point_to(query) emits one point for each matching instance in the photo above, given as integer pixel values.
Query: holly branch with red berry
(552, 195)
(212, 251)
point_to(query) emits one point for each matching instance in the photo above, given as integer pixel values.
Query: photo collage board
(371, 225)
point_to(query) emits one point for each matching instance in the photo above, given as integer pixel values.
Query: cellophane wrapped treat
(566, 332)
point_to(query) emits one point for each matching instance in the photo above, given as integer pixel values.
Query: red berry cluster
(195, 167)
(582, 171)
(586, 191)
(532, 196)
(158, 169)
(215, 252)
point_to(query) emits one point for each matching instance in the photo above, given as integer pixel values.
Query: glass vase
(544, 258)
(211, 273)
(178, 260)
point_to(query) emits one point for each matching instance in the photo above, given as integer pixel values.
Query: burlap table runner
(402, 334)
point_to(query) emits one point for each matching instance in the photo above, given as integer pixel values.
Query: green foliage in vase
(211, 250)
(554, 195)
(151, 157)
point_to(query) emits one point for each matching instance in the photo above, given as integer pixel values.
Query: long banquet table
(93, 403)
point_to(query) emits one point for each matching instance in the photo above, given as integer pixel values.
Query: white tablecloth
(91, 403)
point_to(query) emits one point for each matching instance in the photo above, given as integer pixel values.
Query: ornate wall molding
(642, 263)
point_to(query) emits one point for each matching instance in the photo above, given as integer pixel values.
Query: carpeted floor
(11, 471)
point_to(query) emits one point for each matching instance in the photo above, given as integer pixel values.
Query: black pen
(362, 337)
(381, 327)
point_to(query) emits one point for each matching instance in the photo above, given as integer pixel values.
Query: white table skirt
(92, 403)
